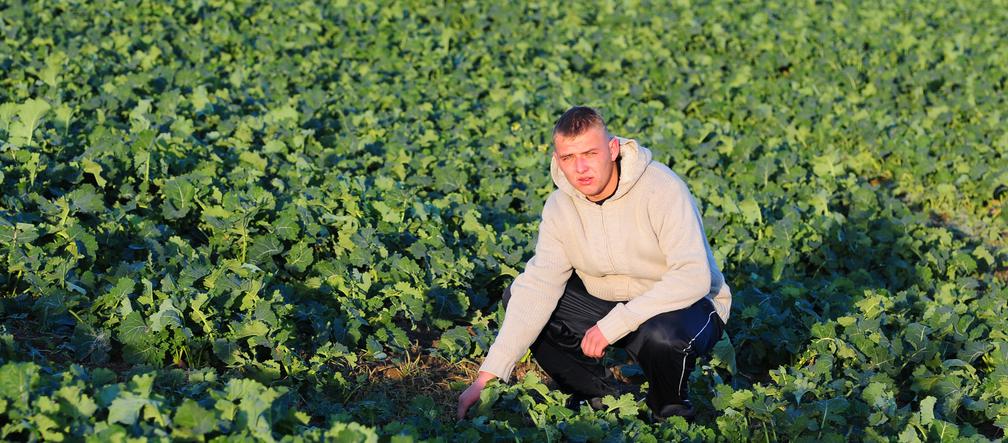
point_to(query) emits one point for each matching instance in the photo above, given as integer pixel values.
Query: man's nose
(580, 165)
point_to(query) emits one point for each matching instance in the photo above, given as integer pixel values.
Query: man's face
(589, 162)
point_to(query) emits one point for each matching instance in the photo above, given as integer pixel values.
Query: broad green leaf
(625, 406)
(254, 328)
(179, 197)
(167, 315)
(724, 353)
(75, 400)
(200, 98)
(7, 113)
(299, 257)
(127, 407)
(18, 380)
(751, 211)
(927, 410)
(227, 351)
(263, 248)
(90, 167)
(29, 115)
(133, 329)
(86, 199)
(254, 160)
(193, 421)
(140, 344)
(286, 227)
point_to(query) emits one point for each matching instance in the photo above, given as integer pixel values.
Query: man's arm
(534, 296)
(679, 229)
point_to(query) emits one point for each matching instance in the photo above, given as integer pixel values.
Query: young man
(621, 259)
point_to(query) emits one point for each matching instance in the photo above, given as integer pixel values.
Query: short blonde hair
(577, 120)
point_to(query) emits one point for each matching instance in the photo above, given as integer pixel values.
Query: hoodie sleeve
(534, 296)
(676, 220)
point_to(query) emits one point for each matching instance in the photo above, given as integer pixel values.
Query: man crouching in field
(621, 259)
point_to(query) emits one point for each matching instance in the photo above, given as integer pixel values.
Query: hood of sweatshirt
(633, 159)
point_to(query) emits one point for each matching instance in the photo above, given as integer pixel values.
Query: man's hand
(472, 393)
(594, 343)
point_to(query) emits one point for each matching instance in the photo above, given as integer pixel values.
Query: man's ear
(613, 148)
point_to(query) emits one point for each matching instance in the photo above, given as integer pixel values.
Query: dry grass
(418, 374)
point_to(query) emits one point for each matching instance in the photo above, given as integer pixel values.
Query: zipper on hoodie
(605, 236)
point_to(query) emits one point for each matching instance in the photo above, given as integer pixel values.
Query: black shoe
(684, 410)
(574, 403)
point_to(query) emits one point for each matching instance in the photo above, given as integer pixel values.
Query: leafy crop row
(217, 211)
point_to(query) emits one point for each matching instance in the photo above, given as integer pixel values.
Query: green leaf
(139, 344)
(388, 214)
(122, 289)
(350, 433)
(29, 114)
(192, 421)
(17, 234)
(86, 199)
(724, 353)
(488, 396)
(254, 328)
(264, 248)
(85, 243)
(286, 226)
(126, 408)
(7, 113)
(625, 406)
(227, 351)
(18, 380)
(254, 160)
(281, 114)
(95, 169)
(456, 343)
(299, 257)
(167, 315)
(179, 197)
(751, 211)
(75, 400)
(877, 396)
(133, 329)
(200, 98)
(927, 410)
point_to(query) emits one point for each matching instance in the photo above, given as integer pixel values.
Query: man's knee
(663, 336)
(666, 333)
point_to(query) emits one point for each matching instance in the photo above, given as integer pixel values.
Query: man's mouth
(584, 181)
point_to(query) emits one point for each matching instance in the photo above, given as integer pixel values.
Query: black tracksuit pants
(666, 346)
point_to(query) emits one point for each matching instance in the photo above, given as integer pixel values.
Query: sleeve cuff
(616, 324)
(498, 363)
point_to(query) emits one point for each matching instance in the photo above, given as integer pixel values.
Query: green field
(294, 221)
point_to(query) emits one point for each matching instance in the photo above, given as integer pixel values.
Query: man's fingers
(463, 406)
(590, 350)
(590, 346)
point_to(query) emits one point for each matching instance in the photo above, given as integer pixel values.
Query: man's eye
(589, 153)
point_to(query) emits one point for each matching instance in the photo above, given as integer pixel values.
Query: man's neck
(613, 179)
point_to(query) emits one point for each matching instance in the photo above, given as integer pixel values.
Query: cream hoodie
(644, 246)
